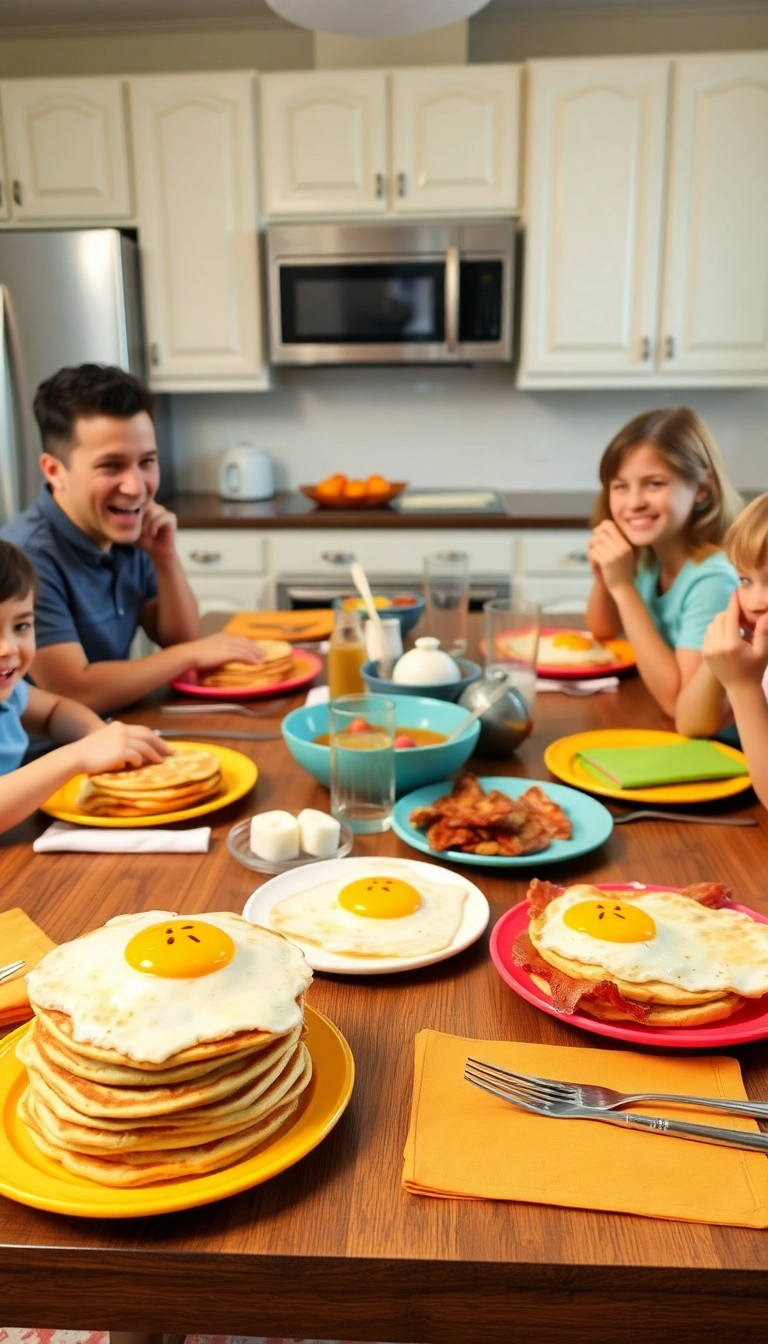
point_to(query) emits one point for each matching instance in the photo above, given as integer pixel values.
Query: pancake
(277, 664)
(181, 780)
(240, 1043)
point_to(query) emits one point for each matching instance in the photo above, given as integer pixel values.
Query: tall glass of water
(362, 733)
(512, 641)
(446, 590)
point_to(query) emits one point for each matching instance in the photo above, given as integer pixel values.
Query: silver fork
(605, 1098)
(478, 1073)
(13, 966)
(640, 814)
(226, 707)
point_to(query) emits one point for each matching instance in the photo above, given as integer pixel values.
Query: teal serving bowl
(414, 766)
(408, 617)
(448, 690)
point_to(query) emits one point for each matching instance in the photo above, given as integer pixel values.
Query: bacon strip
(566, 992)
(540, 894)
(713, 894)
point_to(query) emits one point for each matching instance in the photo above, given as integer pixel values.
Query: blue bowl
(450, 690)
(408, 617)
(414, 766)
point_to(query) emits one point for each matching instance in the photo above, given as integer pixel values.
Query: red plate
(306, 665)
(749, 1024)
(625, 658)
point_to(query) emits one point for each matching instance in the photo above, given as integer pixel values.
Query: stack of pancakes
(182, 780)
(276, 664)
(121, 1120)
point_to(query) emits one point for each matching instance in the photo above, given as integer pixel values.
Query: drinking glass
(362, 732)
(446, 589)
(512, 641)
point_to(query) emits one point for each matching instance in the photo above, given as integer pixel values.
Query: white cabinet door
(324, 143)
(593, 207)
(455, 135)
(715, 296)
(384, 551)
(232, 594)
(67, 149)
(196, 185)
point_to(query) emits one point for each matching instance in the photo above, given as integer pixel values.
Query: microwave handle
(452, 298)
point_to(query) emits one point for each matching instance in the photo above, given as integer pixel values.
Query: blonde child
(736, 650)
(659, 572)
(90, 746)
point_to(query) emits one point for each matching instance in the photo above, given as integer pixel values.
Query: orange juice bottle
(346, 654)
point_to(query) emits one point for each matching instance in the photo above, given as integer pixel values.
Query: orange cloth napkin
(19, 937)
(294, 626)
(464, 1143)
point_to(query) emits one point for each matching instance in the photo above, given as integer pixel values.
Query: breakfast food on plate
(663, 958)
(492, 823)
(391, 910)
(276, 664)
(164, 1046)
(182, 780)
(560, 648)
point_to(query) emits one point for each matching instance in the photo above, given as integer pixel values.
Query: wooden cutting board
(297, 627)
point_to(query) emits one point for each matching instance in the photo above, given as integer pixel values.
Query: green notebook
(675, 763)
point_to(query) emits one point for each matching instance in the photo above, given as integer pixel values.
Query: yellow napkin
(19, 938)
(464, 1143)
(294, 626)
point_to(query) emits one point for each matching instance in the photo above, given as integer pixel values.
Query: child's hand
(218, 649)
(158, 532)
(611, 557)
(119, 745)
(732, 659)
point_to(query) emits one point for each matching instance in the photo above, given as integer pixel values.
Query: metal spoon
(363, 587)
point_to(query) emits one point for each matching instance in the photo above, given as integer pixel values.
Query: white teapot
(426, 665)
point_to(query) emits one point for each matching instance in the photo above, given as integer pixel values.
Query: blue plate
(592, 823)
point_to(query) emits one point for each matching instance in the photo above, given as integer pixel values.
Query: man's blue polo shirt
(86, 595)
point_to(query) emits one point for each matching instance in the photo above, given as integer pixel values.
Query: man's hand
(611, 557)
(216, 650)
(119, 745)
(158, 532)
(733, 660)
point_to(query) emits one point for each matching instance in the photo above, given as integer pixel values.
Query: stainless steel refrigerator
(66, 297)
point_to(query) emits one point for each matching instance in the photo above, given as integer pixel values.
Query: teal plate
(592, 823)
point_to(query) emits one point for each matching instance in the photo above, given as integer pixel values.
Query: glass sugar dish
(239, 846)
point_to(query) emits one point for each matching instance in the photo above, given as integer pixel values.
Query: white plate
(473, 923)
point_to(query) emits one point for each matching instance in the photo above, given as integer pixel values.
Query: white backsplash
(444, 427)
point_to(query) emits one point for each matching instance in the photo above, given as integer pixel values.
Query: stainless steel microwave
(421, 293)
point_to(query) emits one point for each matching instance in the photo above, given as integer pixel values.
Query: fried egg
(572, 648)
(388, 910)
(658, 937)
(150, 985)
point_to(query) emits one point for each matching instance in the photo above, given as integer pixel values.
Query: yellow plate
(239, 772)
(29, 1177)
(561, 758)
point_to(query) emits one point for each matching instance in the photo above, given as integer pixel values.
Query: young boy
(91, 747)
(736, 649)
(104, 550)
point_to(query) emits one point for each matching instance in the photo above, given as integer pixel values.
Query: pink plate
(749, 1024)
(621, 648)
(307, 666)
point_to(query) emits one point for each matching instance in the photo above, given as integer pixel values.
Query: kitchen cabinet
(593, 201)
(552, 569)
(226, 568)
(328, 554)
(67, 150)
(372, 142)
(195, 146)
(715, 293)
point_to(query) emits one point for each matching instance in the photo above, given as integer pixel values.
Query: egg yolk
(380, 898)
(568, 640)
(182, 949)
(611, 921)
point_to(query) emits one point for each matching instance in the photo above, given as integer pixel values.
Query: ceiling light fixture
(374, 18)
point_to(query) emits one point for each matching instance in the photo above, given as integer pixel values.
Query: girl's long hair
(746, 541)
(686, 445)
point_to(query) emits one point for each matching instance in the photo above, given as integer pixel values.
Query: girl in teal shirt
(659, 573)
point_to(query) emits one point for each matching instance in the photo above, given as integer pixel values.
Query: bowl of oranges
(339, 492)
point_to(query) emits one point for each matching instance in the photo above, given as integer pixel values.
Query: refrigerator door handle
(11, 432)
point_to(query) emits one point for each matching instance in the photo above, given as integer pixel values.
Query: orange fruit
(377, 485)
(354, 490)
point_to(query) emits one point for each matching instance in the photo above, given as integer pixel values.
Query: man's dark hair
(17, 577)
(84, 392)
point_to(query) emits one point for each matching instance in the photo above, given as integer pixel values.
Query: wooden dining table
(333, 1247)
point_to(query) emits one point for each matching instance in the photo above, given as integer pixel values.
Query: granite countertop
(531, 509)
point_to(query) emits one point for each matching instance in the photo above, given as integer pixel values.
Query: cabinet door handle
(2, 192)
(154, 353)
(645, 348)
(402, 184)
(577, 558)
(338, 557)
(205, 557)
(669, 347)
(18, 194)
(452, 298)
(379, 180)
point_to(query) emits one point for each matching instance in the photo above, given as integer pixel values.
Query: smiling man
(104, 550)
